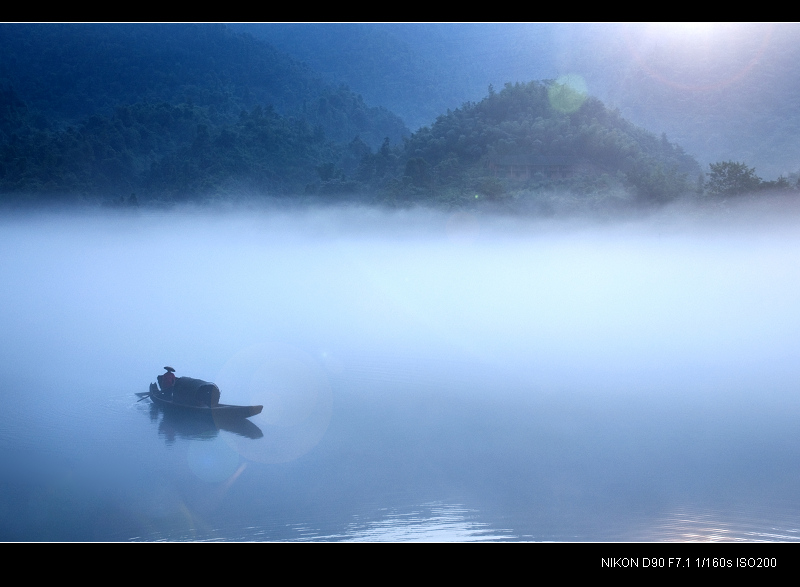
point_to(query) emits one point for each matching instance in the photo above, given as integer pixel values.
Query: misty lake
(425, 375)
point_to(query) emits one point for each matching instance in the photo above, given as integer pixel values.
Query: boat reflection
(200, 426)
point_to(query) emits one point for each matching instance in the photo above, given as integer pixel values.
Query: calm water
(424, 376)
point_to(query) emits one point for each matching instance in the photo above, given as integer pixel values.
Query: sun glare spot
(687, 29)
(568, 93)
(698, 56)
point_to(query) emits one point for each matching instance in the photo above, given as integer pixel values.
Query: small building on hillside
(524, 167)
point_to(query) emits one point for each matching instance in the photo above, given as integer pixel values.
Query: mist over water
(425, 375)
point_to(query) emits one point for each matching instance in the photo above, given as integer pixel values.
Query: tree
(728, 178)
(656, 184)
(419, 171)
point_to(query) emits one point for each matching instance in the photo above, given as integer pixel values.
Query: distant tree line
(68, 72)
(183, 150)
(170, 112)
(732, 178)
(452, 160)
(182, 111)
(167, 111)
(161, 149)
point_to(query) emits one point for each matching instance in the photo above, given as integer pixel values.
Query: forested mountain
(528, 139)
(722, 91)
(90, 108)
(165, 151)
(376, 62)
(184, 111)
(67, 72)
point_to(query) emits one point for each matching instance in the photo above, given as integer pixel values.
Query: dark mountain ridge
(67, 72)
(184, 111)
(722, 91)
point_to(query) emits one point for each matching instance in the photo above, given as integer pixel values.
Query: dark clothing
(195, 392)
(166, 380)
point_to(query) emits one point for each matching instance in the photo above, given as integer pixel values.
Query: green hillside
(185, 111)
(65, 73)
(167, 109)
(528, 139)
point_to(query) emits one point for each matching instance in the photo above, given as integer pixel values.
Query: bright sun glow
(688, 28)
(698, 55)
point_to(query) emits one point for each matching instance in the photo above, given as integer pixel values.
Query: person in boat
(166, 381)
(187, 390)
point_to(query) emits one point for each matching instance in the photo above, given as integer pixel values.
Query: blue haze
(424, 375)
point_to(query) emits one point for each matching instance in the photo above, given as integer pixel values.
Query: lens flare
(568, 93)
(698, 56)
(295, 393)
(212, 461)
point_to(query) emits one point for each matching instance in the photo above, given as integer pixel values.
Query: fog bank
(663, 298)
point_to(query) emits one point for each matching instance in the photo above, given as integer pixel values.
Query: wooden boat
(220, 410)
